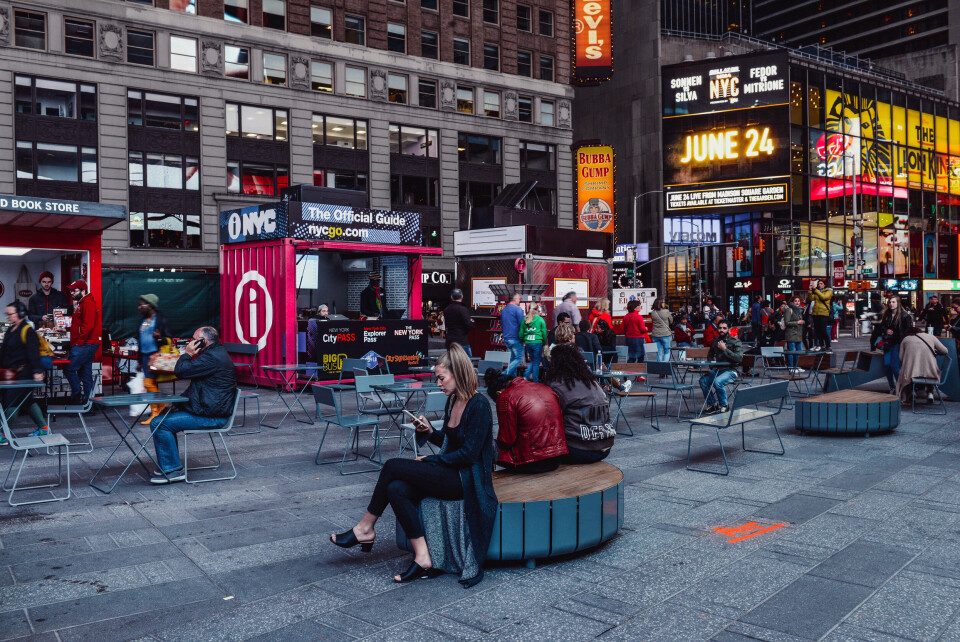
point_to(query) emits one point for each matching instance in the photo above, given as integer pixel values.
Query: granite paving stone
(911, 605)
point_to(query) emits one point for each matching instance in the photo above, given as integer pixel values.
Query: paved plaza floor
(868, 549)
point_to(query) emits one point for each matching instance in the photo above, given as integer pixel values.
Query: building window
(266, 179)
(321, 76)
(546, 23)
(430, 45)
(546, 113)
(30, 30)
(355, 79)
(396, 38)
(538, 156)
(473, 148)
(465, 100)
(491, 57)
(523, 18)
(461, 51)
(461, 8)
(164, 171)
(491, 11)
(354, 30)
(414, 190)
(427, 93)
(78, 37)
(413, 141)
(183, 54)
(55, 98)
(546, 67)
(52, 162)
(321, 23)
(236, 62)
(235, 10)
(428, 4)
(163, 111)
(140, 47)
(525, 63)
(340, 179)
(261, 123)
(335, 131)
(397, 86)
(160, 230)
(275, 69)
(491, 104)
(275, 14)
(525, 109)
(184, 6)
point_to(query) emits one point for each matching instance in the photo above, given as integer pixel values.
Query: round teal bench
(859, 412)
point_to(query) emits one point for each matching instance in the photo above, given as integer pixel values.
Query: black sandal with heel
(349, 539)
(417, 572)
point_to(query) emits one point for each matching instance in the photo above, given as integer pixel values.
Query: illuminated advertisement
(595, 189)
(732, 195)
(722, 84)
(593, 45)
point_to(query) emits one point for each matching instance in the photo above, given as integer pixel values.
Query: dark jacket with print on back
(213, 382)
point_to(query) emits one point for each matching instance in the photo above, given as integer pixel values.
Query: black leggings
(821, 324)
(404, 482)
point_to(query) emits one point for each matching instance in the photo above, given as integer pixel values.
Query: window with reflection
(30, 29)
(321, 23)
(261, 123)
(236, 10)
(475, 148)
(427, 93)
(397, 88)
(354, 30)
(78, 37)
(491, 56)
(183, 54)
(236, 62)
(275, 14)
(164, 171)
(337, 131)
(55, 162)
(355, 82)
(266, 179)
(491, 103)
(162, 110)
(321, 76)
(546, 67)
(414, 141)
(274, 69)
(546, 113)
(538, 156)
(396, 38)
(140, 47)
(55, 98)
(161, 230)
(465, 100)
(525, 109)
(461, 51)
(340, 179)
(430, 45)
(491, 11)
(523, 18)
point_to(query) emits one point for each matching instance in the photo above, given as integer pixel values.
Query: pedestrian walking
(20, 352)
(456, 317)
(153, 334)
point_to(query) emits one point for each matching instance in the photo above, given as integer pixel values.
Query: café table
(115, 403)
(282, 371)
(20, 384)
(397, 404)
(614, 377)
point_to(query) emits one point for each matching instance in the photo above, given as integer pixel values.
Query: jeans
(81, 361)
(145, 366)
(713, 383)
(663, 347)
(404, 482)
(635, 350)
(165, 439)
(516, 355)
(820, 324)
(534, 354)
(792, 358)
(891, 365)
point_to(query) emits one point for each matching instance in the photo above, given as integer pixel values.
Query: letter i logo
(252, 296)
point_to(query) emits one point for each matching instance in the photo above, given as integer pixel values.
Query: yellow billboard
(595, 189)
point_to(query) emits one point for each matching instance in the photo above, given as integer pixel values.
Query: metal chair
(210, 432)
(21, 445)
(435, 402)
(497, 355)
(483, 365)
(943, 362)
(665, 369)
(79, 411)
(772, 355)
(324, 396)
(251, 393)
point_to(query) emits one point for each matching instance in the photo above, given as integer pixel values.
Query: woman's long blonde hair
(532, 313)
(458, 364)
(603, 306)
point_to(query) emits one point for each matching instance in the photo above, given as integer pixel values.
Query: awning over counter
(50, 213)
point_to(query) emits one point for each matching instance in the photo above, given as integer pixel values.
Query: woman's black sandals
(349, 539)
(417, 572)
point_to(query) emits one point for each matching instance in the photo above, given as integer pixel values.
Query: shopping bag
(24, 288)
(136, 387)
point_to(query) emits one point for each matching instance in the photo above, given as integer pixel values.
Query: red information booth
(279, 262)
(57, 236)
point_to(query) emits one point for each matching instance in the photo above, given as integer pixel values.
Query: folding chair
(435, 402)
(848, 365)
(20, 446)
(324, 396)
(210, 432)
(483, 365)
(807, 367)
(251, 393)
(55, 411)
(497, 355)
(620, 397)
(773, 360)
(943, 362)
(672, 384)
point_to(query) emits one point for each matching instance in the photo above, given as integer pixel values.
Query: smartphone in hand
(416, 421)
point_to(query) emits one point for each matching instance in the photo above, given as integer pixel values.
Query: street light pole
(637, 197)
(857, 236)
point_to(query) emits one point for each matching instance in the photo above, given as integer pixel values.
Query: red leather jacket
(531, 423)
(709, 334)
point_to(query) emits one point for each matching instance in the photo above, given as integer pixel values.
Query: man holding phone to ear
(213, 388)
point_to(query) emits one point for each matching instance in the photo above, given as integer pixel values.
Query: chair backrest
(485, 364)
(435, 402)
(324, 396)
(753, 395)
(771, 351)
(497, 355)
(659, 368)
(943, 362)
(623, 352)
(698, 353)
(366, 384)
(241, 348)
(631, 367)
(349, 365)
(360, 372)
(650, 348)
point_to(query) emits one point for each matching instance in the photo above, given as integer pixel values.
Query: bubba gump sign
(595, 189)
(592, 40)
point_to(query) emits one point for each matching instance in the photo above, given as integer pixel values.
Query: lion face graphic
(857, 122)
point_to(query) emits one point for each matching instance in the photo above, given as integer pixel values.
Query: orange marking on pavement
(748, 530)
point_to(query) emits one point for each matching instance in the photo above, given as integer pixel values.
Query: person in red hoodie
(635, 331)
(711, 332)
(85, 328)
(601, 311)
(531, 436)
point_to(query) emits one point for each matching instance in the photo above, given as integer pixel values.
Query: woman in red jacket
(635, 331)
(531, 437)
(601, 311)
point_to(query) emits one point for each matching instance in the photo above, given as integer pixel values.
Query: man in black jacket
(373, 300)
(934, 315)
(211, 395)
(456, 318)
(42, 304)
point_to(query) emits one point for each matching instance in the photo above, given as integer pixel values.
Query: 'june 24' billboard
(593, 46)
(595, 189)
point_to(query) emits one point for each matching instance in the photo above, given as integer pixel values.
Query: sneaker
(929, 397)
(710, 410)
(643, 379)
(3, 441)
(40, 432)
(172, 477)
(797, 371)
(626, 386)
(723, 409)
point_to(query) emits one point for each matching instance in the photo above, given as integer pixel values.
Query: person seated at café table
(683, 333)
(585, 407)
(211, 394)
(530, 438)
(918, 359)
(710, 332)
(562, 319)
(728, 349)
(461, 470)
(587, 341)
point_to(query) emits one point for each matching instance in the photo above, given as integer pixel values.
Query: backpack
(46, 352)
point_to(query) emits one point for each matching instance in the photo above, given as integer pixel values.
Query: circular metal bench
(859, 412)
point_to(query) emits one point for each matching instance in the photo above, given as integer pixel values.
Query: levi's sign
(592, 41)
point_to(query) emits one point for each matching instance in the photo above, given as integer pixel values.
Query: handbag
(164, 362)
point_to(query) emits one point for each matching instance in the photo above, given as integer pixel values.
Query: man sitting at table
(725, 348)
(211, 393)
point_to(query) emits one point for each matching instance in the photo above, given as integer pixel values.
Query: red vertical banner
(839, 274)
(593, 44)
